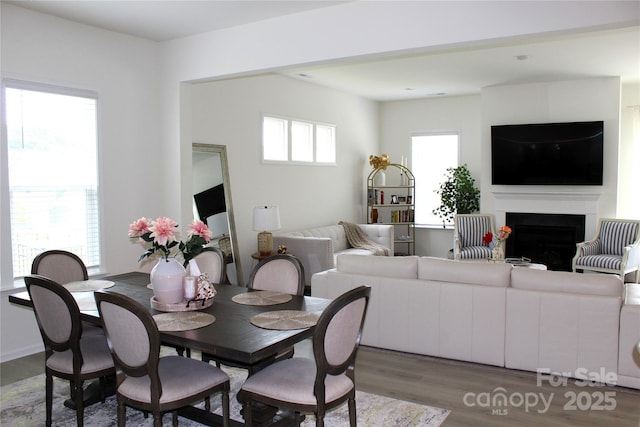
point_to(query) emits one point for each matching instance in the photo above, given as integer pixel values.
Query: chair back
(59, 266)
(471, 228)
(279, 273)
(337, 335)
(616, 234)
(211, 261)
(132, 335)
(57, 314)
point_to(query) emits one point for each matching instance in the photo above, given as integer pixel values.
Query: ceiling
(445, 73)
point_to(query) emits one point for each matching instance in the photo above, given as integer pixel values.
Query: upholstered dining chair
(279, 273)
(63, 267)
(305, 385)
(68, 353)
(144, 380)
(211, 261)
(469, 231)
(614, 249)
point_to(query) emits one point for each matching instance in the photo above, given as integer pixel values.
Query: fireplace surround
(548, 239)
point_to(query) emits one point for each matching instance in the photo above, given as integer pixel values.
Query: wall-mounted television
(547, 154)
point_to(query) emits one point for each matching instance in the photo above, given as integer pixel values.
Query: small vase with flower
(497, 252)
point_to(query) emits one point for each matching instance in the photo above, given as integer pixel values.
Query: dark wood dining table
(231, 337)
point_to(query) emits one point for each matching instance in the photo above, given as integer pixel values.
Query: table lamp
(265, 219)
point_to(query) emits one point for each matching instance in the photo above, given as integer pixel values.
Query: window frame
(7, 275)
(290, 122)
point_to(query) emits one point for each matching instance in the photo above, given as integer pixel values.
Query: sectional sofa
(317, 248)
(496, 314)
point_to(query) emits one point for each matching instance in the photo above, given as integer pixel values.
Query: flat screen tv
(547, 154)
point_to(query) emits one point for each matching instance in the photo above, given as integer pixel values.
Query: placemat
(182, 321)
(261, 298)
(285, 320)
(88, 285)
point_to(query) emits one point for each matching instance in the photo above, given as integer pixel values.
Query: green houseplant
(458, 194)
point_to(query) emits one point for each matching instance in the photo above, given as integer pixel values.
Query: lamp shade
(266, 218)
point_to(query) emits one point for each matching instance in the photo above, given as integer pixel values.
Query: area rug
(22, 404)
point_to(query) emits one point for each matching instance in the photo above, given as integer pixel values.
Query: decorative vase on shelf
(374, 216)
(166, 279)
(498, 252)
(380, 180)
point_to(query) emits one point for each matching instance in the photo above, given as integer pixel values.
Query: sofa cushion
(334, 232)
(477, 273)
(567, 282)
(405, 267)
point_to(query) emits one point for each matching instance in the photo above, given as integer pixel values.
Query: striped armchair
(468, 230)
(615, 249)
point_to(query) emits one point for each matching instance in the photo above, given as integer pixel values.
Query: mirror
(212, 202)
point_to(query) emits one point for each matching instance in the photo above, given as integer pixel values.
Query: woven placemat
(285, 320)
(88, 285)
(182, 321)
(262, 298)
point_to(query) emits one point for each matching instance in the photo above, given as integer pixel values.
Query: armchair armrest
(631, 257)
(315, 253)
(591, 247)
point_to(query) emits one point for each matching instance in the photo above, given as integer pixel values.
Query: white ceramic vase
(166, 279)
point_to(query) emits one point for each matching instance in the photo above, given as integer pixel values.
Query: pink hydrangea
(199, 228)
(139, 227)
(163, 230)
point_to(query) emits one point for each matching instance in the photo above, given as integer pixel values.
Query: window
(431, 155)
(52, 160)
(285, 140)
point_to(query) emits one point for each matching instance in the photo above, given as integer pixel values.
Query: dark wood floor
(445, 383)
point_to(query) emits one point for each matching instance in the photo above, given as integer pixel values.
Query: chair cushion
(475, 252)
(95, 353)
(180, 377)
(611, 262)
(616, 235)
(292, 381)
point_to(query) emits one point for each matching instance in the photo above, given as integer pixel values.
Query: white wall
(629, 171)
(229, 112)
(123, 70)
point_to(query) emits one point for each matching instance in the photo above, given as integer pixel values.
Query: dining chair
(144, 380)
(614, 249)
(279, 273)
(211, 261)
(468, 232)
(63, 267)
(68, 353)
(306, 385)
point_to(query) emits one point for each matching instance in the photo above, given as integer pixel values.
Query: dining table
(241, 330)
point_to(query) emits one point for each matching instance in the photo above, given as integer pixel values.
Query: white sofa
(317, 248)
(493, 313)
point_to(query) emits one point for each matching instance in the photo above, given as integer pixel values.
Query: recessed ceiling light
(408, 88)
(522, 57)
(306, 76)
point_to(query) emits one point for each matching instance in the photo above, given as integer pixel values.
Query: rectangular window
(298, 141)
(53, 172)
(431, 155)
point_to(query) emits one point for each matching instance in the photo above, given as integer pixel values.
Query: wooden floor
(457, 386)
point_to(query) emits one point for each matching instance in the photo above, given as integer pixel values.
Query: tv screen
(547, 154)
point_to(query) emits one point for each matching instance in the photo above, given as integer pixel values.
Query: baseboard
(22, 352)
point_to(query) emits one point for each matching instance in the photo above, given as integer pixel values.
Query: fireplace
(548, 239)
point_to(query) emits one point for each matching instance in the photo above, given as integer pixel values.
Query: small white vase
(166, 279)
(380, 179)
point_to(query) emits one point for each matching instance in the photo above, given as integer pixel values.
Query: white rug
(22, 404)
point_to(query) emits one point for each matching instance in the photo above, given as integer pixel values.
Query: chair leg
(207, 404)
(174, 418)
(246, 413)
(48, 398)
(79, 403)
(352, 412)
(122, 414)
(157, 419)
(225, 408)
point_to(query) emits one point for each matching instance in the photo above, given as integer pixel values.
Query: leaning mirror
(212, 202)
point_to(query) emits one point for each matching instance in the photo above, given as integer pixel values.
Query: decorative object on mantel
(458, 194)
(497, 254)
(167, 275)
(265, 220)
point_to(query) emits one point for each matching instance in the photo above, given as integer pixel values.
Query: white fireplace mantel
(552, 202)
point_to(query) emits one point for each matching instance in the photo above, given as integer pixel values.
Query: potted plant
(458, 194)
